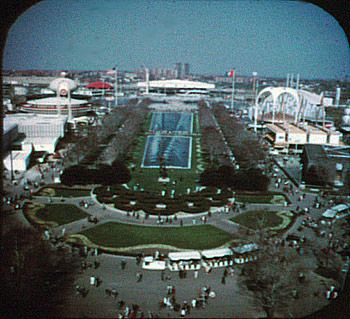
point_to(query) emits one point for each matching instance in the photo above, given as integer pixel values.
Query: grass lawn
(148, 177)
(261, 199)
(60, 213)
(191, 237)
(269, 219)
(65, 192)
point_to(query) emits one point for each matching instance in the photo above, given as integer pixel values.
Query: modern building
(186, 69)
(179, 70)
(171, 87)
(17, 160)
(285, 104)
(10, 134)
(329, 164)
(16, 157)
(54, 105)
(41, 132)
(289, 135)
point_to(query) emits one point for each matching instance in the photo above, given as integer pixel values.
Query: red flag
(231, 73)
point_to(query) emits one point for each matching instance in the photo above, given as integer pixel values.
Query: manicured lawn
(191, 237)
(65, 192)
(148, 177)
(61, 213)
(264, 219)
(261, 199)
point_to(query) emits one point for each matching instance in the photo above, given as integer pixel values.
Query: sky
(269, 37)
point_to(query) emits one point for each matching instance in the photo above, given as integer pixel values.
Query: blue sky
(271, 37)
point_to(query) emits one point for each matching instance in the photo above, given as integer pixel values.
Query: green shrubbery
(245, 180)
(117, 173)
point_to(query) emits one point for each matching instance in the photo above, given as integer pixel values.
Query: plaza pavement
(232, 300)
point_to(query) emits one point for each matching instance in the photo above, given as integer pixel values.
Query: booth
(214, 258)
(245, 253)
(150, 263)
(187, 260)
(337, 212)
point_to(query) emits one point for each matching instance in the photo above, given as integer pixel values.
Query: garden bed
(273, 221)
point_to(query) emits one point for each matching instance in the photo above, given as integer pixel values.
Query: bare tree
(34, 275)
(272, 278)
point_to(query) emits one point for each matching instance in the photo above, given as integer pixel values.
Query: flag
(231, 73)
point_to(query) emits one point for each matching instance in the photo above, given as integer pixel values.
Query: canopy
(185, 255)
(245, 248)
(99, 85)
(213, 253)
(332, 212)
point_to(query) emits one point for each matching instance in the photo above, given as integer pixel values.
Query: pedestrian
(223, 280)
(96, 264)
(92, 281)
(183, 313)
(195, 274)
(194, 303)
(162, 275)
(123, 264)
(114, 293)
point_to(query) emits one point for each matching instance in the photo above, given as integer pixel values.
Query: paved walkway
(232, 299)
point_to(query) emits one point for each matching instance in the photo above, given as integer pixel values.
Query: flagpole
(233, 89)
(115, 86)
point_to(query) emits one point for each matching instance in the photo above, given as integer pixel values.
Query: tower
(187, 69)
(178, 70)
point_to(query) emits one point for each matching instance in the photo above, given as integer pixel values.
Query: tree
(34, 275)
(272, 278)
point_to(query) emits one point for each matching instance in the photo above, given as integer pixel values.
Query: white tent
(336, 210)
(185, 255)
(217, 253)
(245, 248)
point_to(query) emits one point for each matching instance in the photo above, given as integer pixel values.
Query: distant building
(326, 165)
(41, 132)
(179, 70)
(291, 136)
(171, 87)
(187, 69)
(16, 157)
(62, 103)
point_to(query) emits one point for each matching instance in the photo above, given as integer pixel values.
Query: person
(183, 313)
(93, 281)
(108, 292)
(114, 293)
(223, 280)
(194, 303)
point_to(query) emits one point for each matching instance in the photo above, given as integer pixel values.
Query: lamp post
(115, 86)
(11, 160)
(233, 74)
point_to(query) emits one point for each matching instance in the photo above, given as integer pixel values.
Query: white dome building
(61, 104)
